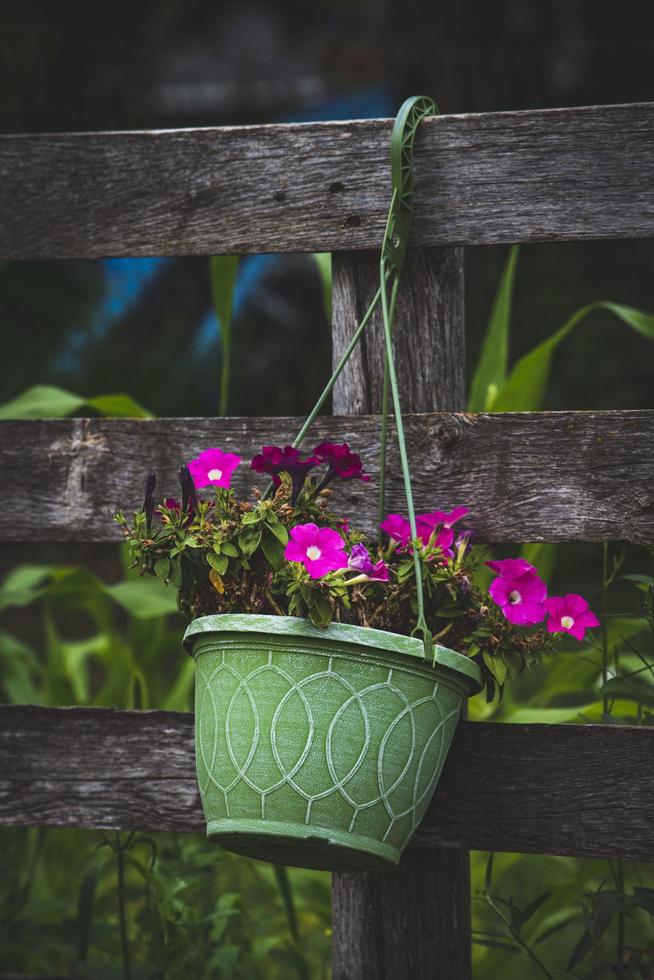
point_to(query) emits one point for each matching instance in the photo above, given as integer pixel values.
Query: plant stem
(518, 939)
(120, 861)
(605, 634)
(621, 915)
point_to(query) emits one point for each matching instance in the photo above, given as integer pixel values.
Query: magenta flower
(213, 467)
(273, 461)
(343, 463)
(569, 614)
(320, 549)
(437, 517)
(360, 561)
(171, 504)
(398, 528)
(518, 590)
(437, 523)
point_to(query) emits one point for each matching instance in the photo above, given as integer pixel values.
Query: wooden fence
(501, 177)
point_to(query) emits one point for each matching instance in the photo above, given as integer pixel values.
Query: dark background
(146, 327)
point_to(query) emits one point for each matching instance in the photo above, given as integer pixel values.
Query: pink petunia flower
(569, 614)
(518, 590)
(441, 517)
(213, 467)
(397, 527)
(320, 549)
(360, 561)
(437, 523)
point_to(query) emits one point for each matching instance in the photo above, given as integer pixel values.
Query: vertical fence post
(413, 923)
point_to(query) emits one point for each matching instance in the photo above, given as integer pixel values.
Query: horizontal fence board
(554, 476)
(586, 791)
(543, 175)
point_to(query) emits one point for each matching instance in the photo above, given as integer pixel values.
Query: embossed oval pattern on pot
(320, 748)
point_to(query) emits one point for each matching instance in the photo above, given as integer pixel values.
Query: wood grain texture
(421, 923)
(580, 790)
(554, 476)
(428, 332)
(382, 921)
(557, 174)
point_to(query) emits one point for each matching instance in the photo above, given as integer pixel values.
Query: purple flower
(518, 590)
(569, 614)
(343, 463)
(464, 538)
(213, 467)
(320, 549)
(273, 461)
(360, 561)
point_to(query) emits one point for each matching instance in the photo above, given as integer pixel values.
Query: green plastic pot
(319, 748)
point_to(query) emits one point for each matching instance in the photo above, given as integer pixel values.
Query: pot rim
(345, 632)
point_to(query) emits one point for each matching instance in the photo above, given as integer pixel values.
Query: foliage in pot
(322, 722)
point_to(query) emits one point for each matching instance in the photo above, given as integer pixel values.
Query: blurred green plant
(48, 401)
(522, 389)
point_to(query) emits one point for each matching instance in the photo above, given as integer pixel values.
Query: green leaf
(252, 517)
(531, 909)
(175, 574)
(119, 407)
(279, 530)
(273, 549)
(630, 689)
(85, 906)
(218, 562)
(488, 876)
(24, 585)
(222, 274)
(506, 947)
(162, 569)
(41, 402)
(48, 401)
(555, 927)
(227, 548)
(548, 716)
(496, 666)
(286, 892)
(493, 359)
(324, 263)
(642, 323)
(143, 598)
(249, 541)
(524, 390)
(644, 898)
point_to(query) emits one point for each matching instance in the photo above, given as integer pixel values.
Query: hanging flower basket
(320, 748)
(319, 742)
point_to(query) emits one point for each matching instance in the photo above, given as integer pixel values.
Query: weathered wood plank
(421, 923)
(554, 476)
(581, 790)
(546, 175)
(430, 303)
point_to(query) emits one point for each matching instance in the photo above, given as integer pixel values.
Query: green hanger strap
(393, 251)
